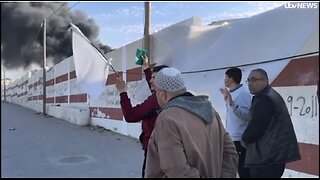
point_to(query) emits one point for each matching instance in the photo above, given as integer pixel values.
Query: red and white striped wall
(297, 84)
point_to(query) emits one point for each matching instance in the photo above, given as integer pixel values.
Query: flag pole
(4, 83)
(44, 97)
(105, 59)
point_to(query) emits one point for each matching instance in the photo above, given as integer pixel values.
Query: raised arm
(242, 105)
(147, 71)
(140, 111)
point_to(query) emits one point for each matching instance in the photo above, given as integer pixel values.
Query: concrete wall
(63, 98)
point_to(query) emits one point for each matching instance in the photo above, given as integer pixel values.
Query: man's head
(168, 84)
(233, 77)
(155, 70)
(257, 80)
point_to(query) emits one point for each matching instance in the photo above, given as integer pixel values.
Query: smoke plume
(20, 23)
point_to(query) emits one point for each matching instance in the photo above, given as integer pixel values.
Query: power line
(69, 8)
(63, 11)
(61, 48)
(35, 37)
(56, 10)
(41, 26)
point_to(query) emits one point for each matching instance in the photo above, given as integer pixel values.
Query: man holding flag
(92, 71)
(145, 112)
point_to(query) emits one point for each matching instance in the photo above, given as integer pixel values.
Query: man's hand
(227, 96)
(120, 85)
(145, 62)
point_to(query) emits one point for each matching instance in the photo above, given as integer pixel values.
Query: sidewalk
(33, 145)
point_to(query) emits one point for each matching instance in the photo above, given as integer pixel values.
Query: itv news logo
(301, 5)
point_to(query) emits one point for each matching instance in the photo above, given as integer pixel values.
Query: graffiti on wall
(303, 107)
(301, 101)
(109, 98)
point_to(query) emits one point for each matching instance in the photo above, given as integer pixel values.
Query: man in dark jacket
(269, 138)
(145, 112)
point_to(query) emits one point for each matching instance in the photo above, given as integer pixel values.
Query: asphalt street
(34, 145)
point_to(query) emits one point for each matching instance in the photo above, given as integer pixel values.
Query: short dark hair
(263, 73)
(158, 68)
(234, 73)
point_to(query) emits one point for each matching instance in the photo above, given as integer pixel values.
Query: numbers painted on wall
(303, 105)
(301, 101)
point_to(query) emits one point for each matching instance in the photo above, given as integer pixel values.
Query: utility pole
(4, 84)
(44, 96)
(147, 37)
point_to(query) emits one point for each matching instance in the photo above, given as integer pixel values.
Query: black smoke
(20, 23)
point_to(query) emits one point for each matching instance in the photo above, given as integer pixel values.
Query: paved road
(33, 145)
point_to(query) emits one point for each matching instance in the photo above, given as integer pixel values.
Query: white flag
(91, 67)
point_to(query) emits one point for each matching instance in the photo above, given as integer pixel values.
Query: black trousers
(274, 171)
(243, 172)
(144, 163)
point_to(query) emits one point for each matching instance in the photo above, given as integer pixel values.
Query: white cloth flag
(91, 67)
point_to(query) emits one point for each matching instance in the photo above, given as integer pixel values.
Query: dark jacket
(145, 112)
(269, 137)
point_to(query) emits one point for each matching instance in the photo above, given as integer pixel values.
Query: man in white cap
(189, 139)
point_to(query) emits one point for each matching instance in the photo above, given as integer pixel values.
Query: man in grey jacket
(238, 101)
(189, 139)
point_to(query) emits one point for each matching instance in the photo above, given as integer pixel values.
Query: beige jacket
(184, 145)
